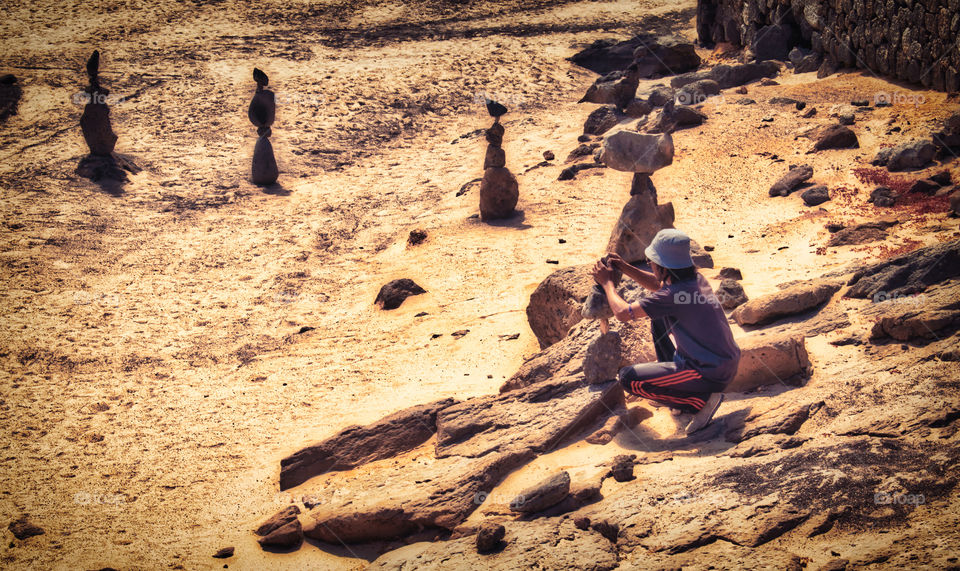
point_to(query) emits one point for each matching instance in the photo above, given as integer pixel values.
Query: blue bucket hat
(670, 248)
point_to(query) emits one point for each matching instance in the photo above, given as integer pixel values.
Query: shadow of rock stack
(499, 190)
(102, 164)
(10, 93)
(262, 112)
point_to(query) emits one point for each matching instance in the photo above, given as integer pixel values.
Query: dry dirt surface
(167, 341)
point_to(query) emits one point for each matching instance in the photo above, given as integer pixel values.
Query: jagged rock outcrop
(357, 445)
(556, 304)
(908, 273)
(652, 55)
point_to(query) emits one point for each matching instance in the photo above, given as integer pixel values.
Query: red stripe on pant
(693, 401)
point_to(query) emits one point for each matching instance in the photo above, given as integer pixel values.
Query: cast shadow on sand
(514, 221)
(276, 189)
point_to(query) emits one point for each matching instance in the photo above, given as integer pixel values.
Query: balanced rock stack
(499, 190)
(101, 164)
(95, 121)
(642, 217)
(262, 112)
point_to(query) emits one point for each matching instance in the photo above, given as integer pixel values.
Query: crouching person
(690, 376)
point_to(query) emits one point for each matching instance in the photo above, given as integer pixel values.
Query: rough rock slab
(532, 418)
(770, 360)
(907, 274)
(428, 493)
(730, 75)
(616, 88)
(783, 419)
(789, 301)
(861, 233)
(357, 445)
(542, 495)
(629, 151)
(922, 316)
(730, 294)
(541, 542)
(286, 536)
(602, 119)
(278, 520)
(815, 195)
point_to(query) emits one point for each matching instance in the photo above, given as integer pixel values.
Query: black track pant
(664, 382)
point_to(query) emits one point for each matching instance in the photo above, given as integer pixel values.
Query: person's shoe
(703, 418)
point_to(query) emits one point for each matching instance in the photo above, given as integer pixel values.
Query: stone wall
(912, 40)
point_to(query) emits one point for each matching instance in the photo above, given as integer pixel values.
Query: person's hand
(615, 261)
(602, 274)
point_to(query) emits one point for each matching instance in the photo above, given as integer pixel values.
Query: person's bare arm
(621, 309)
(645, 279)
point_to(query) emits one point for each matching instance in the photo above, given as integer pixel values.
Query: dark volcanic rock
(637, 108)
(697, 92)
(264, 170)
(910, 155)
(499, 193)
(224, 553)
(836, 137)
(621, 469)
(730, 274)
(924, 186)
(790, 181)
(494, 157)
(654, 55)
(542, 495)
(394, 293)
(907, 274)
(730, 294)
(815, 195)
(490, 536)
(357, 445)
(23, 528)
(659, 95)
(616, 88)
(601, 120)
(789, 301)
(10, 94)
(730, 75)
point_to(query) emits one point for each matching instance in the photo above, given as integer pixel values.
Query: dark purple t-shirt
(703, 337)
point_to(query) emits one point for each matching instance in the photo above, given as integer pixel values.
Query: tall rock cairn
(95, 121)
(499, 190)
(262, 112)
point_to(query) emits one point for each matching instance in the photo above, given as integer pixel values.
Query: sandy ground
(153, 371)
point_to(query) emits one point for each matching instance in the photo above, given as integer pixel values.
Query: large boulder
(815, 195)
(640, 220)
(555, 306)
(264, 170)
(767, 359)
(653, 55)
(479, 441)
(910, 155)
(630, 151)
(358, 445)
(730, 294)
(697, 92)
(789, 301)
(918, 316)
(781, 419)
(836, 137)
(499, 193)
(789, 182)
(908, 273)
